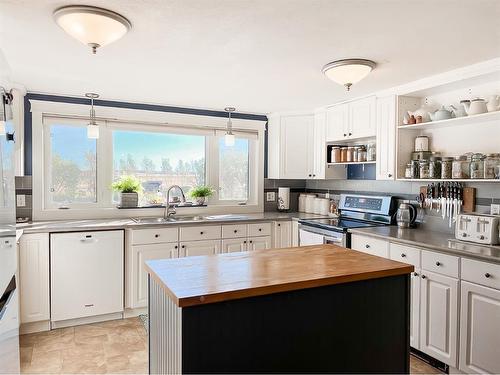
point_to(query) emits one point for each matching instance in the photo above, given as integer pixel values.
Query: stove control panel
(366, 203)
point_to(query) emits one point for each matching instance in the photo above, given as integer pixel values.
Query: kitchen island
(308, 309)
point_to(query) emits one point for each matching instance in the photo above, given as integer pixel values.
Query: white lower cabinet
(282, 234)
(195, 248)
(86, 274)
(479, 329)
(415, 309)
(439, 317)
(370, 245)
(139, 254)
(34, 277)
(259, 243)
(234, 245)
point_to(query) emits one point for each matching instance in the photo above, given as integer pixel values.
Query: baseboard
(34, 327)
(431, 361)
(132, 313)
(86, 320)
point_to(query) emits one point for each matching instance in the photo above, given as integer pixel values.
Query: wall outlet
(495, 209)
(21, 200)
(270, 196)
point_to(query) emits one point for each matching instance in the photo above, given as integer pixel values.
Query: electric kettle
(406, 215)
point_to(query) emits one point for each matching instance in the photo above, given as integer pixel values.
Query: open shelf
(449, 180)
(353, 163)
(458, 121)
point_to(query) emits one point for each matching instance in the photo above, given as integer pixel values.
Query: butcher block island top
(201, 280)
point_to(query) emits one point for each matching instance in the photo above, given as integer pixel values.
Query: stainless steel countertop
(436, 241)
(109, 224)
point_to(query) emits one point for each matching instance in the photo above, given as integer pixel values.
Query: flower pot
(129, 200)
(200, 201)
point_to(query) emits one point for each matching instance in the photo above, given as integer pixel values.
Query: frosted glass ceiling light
(349, 71)
(95, 27)
(229, 137)
(92, 127)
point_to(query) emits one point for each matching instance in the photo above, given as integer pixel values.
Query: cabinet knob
(183, 246)
(235, 231)
(481, 237)
(389, 175)
(345, 135)
(424, 277)
(176, 247)
(260, 230)
(487, 275)
(157, 235)
(251, 241)
(201, 232)
(438, 264)
(367, 246)
(244, 241)
(279, 225)
(403, 255)
(350, 134)
(314, 175)
(310, 175)
(415, 274)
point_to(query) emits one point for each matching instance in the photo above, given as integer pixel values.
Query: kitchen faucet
(170, 207)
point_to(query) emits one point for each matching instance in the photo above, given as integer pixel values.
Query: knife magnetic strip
(469, 198)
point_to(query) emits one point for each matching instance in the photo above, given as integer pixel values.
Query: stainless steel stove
(356, 211)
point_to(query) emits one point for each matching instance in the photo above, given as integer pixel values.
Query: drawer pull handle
(89, 305)
(438, 264)
(424, 277)
(403, 255)
(367, 246)
(487, 275)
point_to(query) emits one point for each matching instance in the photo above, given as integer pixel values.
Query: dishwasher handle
(88, 239)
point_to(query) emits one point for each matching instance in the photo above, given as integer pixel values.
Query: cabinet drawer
(154, 235)
(405, 254)
(475, 271)
(370, 245)
(259, 229)
(234, 231)
(202, 232)
(440, 263)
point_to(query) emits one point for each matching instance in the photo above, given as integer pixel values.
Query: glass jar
(362, 154)
(355, 153)
(415, 169)
(477, 166)
(335, 155)
(343, 154)
(408, 171)
(446, 168)
(491, 162)
(424, 169)
(350, 154)
(371, 152)
(460, 168)
(435, 167)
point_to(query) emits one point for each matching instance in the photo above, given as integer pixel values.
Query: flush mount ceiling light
(95, 27)
(92, 127)
(229, 137)
(348, 71)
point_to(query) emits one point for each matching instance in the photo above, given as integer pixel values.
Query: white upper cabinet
(351, 120)
(318, 161)
(386, 138)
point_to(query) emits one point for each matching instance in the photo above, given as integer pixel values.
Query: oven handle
(333, 240)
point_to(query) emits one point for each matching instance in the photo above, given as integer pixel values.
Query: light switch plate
(495, 209)
(21, 200)
(270, 196)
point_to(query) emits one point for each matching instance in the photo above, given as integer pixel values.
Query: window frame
(142, 120)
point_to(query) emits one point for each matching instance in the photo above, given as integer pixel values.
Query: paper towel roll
(283, 198)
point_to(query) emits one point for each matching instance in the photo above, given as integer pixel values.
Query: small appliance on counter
(283, 199)
(406, 215)
(478, 228)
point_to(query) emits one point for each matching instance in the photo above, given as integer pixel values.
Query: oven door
(316, 236)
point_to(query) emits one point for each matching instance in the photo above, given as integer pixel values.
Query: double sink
(184, 219)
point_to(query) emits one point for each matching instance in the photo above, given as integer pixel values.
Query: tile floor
(118, 347)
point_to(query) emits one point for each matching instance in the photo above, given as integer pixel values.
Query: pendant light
(93, 26)
(229, 137)
(92, 127)
(348, 71)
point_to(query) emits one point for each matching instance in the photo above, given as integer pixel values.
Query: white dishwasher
(86, 274)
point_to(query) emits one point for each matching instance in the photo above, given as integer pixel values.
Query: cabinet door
(259, 243)
(295, 148)
(439, 317)
(139, 276)
(234, 245)
(337, 123)
(282, 234)
(295, 233)
(319, 146)
(386, 138)
(195, 248)
(362, 120)
(479, 329)
(34, 277)
(415, 309)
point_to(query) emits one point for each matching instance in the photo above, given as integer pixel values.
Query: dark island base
(358, 327)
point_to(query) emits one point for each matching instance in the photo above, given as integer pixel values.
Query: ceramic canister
(421, 143)
(310, 203)
(302, 202)
(317, 205)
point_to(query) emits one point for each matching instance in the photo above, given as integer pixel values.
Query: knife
(438, 196)
(453, 202)
(443, 201)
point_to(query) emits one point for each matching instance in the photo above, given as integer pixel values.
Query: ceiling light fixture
(95, 27)
(348, 71)
(92, 127)
(229, 137)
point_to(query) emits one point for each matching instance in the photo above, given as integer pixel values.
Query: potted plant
(200, 193)
(129, 187)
